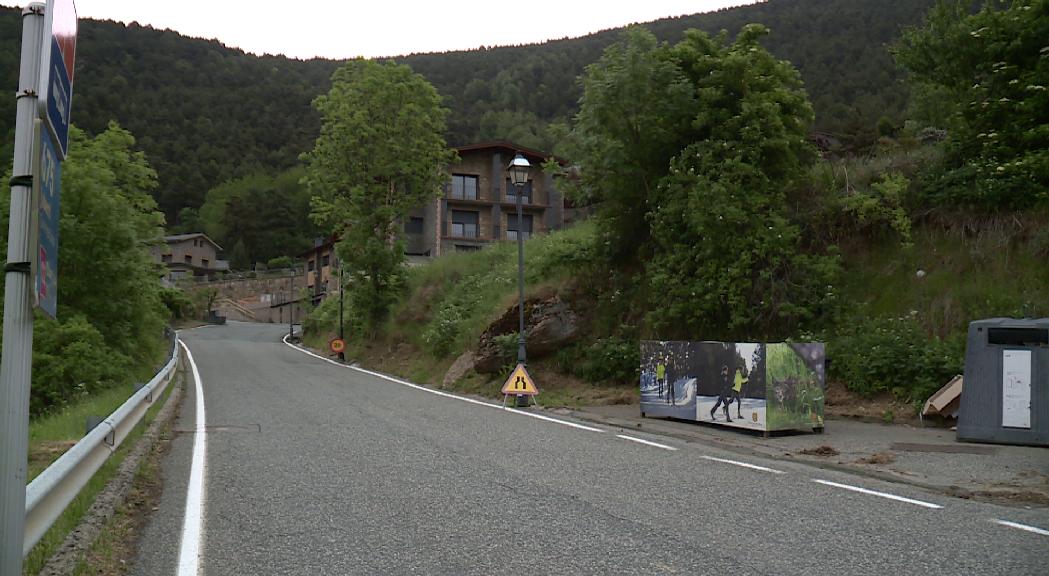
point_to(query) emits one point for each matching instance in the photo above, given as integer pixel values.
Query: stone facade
(188, 255)
(494, 201)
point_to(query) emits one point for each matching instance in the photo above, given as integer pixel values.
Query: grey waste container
(1005, 398)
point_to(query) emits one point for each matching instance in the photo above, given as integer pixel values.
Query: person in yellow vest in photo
(661, 376)
(737, 387)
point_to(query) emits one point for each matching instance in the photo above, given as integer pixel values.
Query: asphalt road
(313, 468)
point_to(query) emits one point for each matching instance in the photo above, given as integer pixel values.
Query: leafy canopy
(381, 152)
(689, 151)
(110, 311)
(986, 76)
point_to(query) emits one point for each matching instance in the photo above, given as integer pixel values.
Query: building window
(526, 192)
(464, 224)
(464, 187)
(512, 228)
(466, 248)
(310, 265)
(325, 260)
(204, 262)
(413, 225)
(188, 258)
(165, 258)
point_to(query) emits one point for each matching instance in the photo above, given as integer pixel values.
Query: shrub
(70, 361)
(279, 262)
(893, 354)
(442, 332)
(177, 302)
(611, 359)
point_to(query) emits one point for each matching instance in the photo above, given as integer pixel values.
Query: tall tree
(729, 263)
(381, 152)
(689, 151)
(110, 312)
(634, 116)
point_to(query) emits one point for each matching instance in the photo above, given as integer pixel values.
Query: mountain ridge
(205, 112)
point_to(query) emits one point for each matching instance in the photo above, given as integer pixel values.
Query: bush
(611, 359)
(70, 361)
(442, 332)
(894, 354)
(279, 262)
(177, 302)
(880, 211)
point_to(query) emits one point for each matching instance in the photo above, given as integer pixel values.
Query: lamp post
(291, 296)
(518, 170)
(342, 355)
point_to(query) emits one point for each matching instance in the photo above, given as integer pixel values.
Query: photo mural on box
(746, 385)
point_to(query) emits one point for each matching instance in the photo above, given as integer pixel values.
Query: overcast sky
(349, 28)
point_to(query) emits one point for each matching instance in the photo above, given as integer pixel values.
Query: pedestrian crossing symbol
(520, 383)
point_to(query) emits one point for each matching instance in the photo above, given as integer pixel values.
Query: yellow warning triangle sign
(520, 383)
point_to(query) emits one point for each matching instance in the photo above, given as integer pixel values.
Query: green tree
(690, 151)
(109, 221)
(986, 76)
(110, 307)
(634, 117)
(267, 215)
(380, 153)
(728, 261)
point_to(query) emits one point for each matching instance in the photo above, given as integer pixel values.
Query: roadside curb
(80, 540)
(742, 445)
(748, 448)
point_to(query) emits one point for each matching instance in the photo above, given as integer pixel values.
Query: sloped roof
(532, 153)
(180, 237)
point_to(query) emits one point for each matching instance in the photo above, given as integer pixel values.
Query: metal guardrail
(49, 493)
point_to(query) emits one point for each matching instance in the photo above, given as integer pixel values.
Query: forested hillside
(205, 113)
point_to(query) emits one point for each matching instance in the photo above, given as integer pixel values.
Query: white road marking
(646, 442)
(880, 494)
(743, 464)
(445, 394)
(193, 522)
(1022, 527)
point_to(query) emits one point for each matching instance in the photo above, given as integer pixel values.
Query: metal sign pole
(17, 360)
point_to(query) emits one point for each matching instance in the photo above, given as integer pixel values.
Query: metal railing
(48, 495)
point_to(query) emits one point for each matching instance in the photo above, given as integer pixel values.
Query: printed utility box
(766, 387)
(1005, 399)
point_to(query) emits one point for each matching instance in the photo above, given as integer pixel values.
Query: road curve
(313, 468)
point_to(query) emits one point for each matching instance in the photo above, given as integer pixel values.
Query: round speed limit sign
(338, 345)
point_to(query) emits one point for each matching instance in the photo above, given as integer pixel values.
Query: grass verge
(68, 427)
(113, 550)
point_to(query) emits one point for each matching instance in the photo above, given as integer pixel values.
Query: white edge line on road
(880, 494)
(440, 393)
(743, 464)
(193, 522)
(1024, 527)
(645, 442)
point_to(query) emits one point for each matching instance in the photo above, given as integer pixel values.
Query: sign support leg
(17, 360)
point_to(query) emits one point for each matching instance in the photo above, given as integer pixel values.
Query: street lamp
(518, 170)
(342, 353)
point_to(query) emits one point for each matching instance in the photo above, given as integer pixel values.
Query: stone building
(478, 204)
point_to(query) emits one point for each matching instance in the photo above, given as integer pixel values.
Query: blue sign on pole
(59, 97)
(45, 261)
(57, 58)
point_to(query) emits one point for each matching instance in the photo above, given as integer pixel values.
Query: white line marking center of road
(445, 394)
(743, 464)
(1023, 527)
(193, 522)
(645, 442)
(879, 494)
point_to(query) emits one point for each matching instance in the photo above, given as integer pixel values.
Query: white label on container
(1016, 388)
